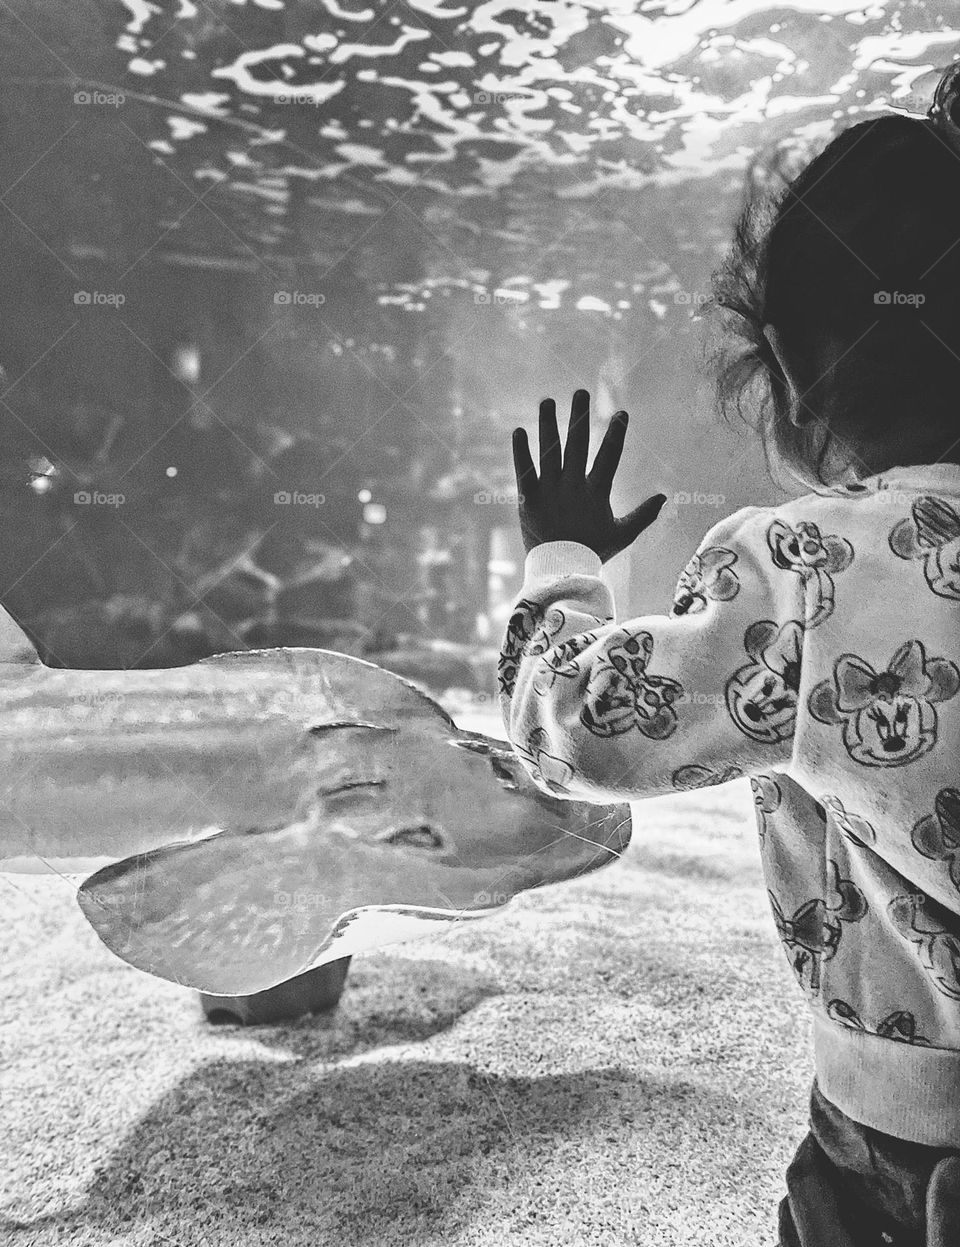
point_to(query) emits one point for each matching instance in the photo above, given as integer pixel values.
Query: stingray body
(258, 814)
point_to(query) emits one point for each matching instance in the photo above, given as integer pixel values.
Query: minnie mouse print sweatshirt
(813, 647)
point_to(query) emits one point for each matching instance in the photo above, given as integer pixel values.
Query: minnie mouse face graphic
(937, 835)
(523, 623)
(554, 772)
(560, 661)
(932, 535)
(918, 920)
(530, 631)
(762, 694)
(815, 558)
(899, 1025)
(623, 694)
(888, 718)
(812, 934)
(851, 826)
(709, 576)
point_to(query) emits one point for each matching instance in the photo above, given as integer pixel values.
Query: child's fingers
(608, 456)
(523, 462)
(632, 525)
(549, 440)
(578, 435)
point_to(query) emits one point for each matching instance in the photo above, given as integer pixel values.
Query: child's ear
(798, 414)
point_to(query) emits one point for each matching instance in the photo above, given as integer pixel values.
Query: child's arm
(605, 711)
(609, 711)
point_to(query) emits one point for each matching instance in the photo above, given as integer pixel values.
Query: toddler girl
(813, 647)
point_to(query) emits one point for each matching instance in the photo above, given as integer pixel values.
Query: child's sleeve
(604, 711)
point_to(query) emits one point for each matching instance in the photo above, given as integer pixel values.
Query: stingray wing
(413, 825)
(337, 686)
(98, 766)
(245, 910)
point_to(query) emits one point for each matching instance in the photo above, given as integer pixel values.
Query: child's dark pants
(851, 1186)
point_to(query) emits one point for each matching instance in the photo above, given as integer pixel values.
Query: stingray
(259, 814)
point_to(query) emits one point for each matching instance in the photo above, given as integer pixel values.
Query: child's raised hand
(566, 502)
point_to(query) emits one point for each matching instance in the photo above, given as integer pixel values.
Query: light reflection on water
(549, 121)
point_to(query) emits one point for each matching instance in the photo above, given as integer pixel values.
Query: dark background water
(279, 278)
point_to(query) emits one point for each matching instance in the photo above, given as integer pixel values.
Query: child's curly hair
(875, 214)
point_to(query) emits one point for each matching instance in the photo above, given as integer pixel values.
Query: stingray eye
(417, 836)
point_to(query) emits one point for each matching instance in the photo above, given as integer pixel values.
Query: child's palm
(566, 502)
